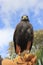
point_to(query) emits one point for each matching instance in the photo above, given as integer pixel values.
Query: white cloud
(9, 6)
(38, 7)
(6, 35)
(15, 5)
(40, 22)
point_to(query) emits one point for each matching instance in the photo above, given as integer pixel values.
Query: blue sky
(10, 15)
